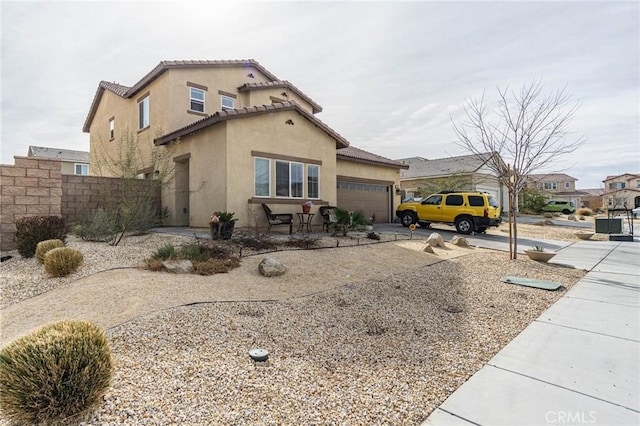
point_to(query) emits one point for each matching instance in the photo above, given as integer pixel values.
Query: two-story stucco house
(622, 190)
(239, 137)
(558, 186)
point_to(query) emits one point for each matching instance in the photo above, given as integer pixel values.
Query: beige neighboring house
(238, 137)
(469, 171)
(73, 162)
(622, 190)
(558, 186)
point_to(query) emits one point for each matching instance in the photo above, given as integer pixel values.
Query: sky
(390, 76)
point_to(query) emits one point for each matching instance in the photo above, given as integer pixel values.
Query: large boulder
(270, 267)
(459, 241)
(178, 266)
(435, 240)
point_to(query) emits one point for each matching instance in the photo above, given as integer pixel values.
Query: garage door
(369, 198)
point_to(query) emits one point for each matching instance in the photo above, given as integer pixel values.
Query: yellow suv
(468, 211)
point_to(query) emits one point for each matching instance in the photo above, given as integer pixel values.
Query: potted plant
(222, 224)
(306, 206)
(538, 254)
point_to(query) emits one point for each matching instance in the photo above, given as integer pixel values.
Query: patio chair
(278, 219)
(329, 217)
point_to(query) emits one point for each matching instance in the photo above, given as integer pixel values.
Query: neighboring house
(558, 186)
(238, 137)
(468, 172)
(73, 162)
(621, 190)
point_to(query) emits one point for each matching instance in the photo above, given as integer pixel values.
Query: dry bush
(62, 261)
(584, 211)
(216, 266)
(43, 247)
(58, 371)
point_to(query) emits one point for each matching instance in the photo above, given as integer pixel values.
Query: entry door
(182, 193)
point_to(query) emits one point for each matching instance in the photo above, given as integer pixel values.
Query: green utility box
(609, 226)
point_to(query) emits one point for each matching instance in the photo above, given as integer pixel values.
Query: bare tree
(528, 130)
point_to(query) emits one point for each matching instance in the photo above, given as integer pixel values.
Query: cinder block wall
(36, 187)
(30, 187)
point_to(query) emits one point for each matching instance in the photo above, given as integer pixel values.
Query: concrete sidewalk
(578, 363)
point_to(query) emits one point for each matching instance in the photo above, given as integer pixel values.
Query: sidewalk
(578, 363)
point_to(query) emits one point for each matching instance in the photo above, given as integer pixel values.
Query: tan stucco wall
(222, 174)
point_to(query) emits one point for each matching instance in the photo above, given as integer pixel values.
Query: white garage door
(369, 198)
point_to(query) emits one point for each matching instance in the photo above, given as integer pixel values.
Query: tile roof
(594, 191)
(280, 83)
(550, 177)
(352, 153)
(222, 116)
(631, 176)
(421, 167)
(58, 154)
(128, 92)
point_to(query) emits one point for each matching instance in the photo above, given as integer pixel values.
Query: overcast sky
(389, 75)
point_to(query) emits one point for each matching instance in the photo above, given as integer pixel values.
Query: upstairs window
(81, 169)
(112, 128)
(549, 185)
(567, 185)
(616, 185)
(196, 99)
(143, 113)
(227, 102)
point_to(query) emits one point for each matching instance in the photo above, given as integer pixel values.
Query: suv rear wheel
(464, 225)
(566, 211)
(407, 218)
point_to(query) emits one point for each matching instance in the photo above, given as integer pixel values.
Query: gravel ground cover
(386, 350)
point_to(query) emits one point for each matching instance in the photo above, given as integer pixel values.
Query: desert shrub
(373, 236)
(194, 252)
(167, 251)
(101, 225)
(532, 200)
(154, 265)
(43, 247)
(216, 266)
(214, 250)
(584, 211)
(58, 371)
(62, 261)
(348, 221)
(33, 229)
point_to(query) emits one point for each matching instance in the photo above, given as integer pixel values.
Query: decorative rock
(270, 267)
(428, 249)
(571, 217)
(435, 240)
(178, 266)
(459, 241)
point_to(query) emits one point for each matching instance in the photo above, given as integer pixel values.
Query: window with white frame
(289, 181)
(313, 181)
(112, 128)
(143, 113)
(81, 169)
(227, 102)
(567, 185)
(549, 185)
(262, 177)
(196, 99)
(616, 185)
